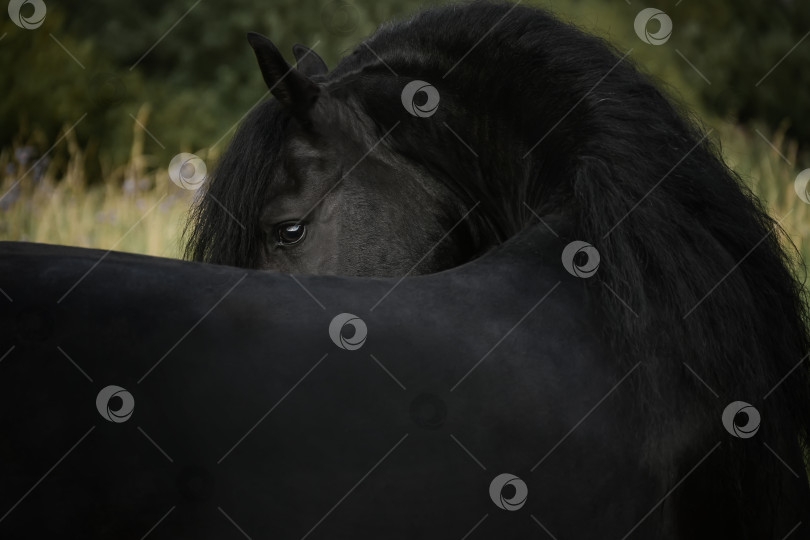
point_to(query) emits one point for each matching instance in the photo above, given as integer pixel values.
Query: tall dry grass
(138, 209)
(769, 164)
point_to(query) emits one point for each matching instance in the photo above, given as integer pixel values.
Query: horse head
(326, 193)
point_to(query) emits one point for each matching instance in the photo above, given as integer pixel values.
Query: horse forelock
(224, 225)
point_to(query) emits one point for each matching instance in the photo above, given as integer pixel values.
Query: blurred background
(99, 96)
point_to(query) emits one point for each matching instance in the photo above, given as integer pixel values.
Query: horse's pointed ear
(290, 87)
(309, 63)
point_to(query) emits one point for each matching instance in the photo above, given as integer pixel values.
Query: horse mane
(695, 277)
(223, 227)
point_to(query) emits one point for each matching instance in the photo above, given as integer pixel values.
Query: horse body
(257, 413)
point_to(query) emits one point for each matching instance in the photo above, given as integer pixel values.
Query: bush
(199, 75)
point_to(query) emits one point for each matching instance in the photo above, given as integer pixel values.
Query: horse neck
(578, 129)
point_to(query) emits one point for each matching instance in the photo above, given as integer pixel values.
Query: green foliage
(740, 45)
(189, 61)
(750, 59)
(45, 89)
(198, 74)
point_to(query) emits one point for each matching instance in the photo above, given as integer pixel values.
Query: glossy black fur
(235, 377)
(694, 281)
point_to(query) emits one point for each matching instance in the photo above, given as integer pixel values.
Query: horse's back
(246, 407)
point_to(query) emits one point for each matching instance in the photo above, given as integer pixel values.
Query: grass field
(138, 209)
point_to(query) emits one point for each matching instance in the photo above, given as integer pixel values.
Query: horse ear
(309, 63)
(290, 87)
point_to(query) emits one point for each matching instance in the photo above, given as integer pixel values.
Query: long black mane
(695, 281)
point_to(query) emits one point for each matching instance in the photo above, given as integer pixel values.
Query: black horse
(445, 135)
(606, 339)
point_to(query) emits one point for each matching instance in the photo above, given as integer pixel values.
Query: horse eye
(290, 233)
